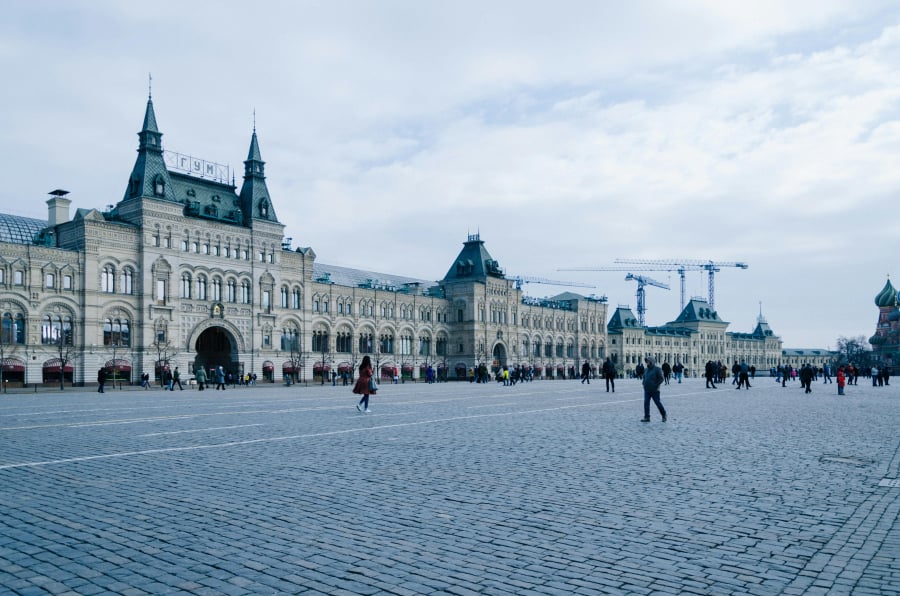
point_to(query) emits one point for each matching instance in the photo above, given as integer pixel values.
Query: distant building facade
(698, 335)
(188, 270)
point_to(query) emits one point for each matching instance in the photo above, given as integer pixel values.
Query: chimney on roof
(58, 207)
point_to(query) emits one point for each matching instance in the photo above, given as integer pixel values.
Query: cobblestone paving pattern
(551, 487)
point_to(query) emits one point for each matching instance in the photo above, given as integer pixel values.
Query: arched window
(295, 298)
(56, 329)
(13, 329)
(320, 341)
(201, 287)
(424, 346)
(185, 285)
(231, 291)
(116, 332)
(386, 343)
(343, 342)
(365, 343)
(217, 289)
(284, 297)
(126, 281)
(245, 292)
(108, 279)
(290, 340)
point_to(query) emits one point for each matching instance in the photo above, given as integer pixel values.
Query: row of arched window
(111, 284)
(291, 298)
(56, 329)
(204, 288)
(367, 343)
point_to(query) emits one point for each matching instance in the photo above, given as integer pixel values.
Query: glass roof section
(19, 230)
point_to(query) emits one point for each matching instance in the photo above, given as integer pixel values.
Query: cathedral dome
(887, 296)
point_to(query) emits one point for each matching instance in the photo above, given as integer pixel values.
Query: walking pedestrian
(841, 380)
(365, 384)
(101, 380)
(806, 376)
(609, 373)
(200, 375)
(743, 375)
(653, 378)
(586, 373)
(176, 380)
(711, 371)
(678, 369)
(666, 371)
(220, 378)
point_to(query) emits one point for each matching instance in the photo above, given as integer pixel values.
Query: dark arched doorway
(499, 357)
(216, 347)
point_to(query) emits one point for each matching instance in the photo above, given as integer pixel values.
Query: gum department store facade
(187, 270)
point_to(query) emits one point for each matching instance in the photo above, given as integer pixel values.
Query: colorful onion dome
(887, 296)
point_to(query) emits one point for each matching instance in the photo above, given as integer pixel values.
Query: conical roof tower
(149, 177)
(255, 201)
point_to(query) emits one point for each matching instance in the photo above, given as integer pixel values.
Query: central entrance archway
(216, 347)
(499, 356)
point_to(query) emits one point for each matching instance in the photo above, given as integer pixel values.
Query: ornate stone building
(188, 270)
(695, 337)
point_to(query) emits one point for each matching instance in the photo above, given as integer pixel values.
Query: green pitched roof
(698, 311)
(474, 263)
(622, 318)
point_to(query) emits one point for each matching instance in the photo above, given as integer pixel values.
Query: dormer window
(135, 186)
(264, 208)
(159, 186)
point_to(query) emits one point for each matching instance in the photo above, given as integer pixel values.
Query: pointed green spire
(255, 200)
(253, 154)
(149, 118)
(149, 177)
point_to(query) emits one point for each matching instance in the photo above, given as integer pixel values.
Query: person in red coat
(364, 384)
(841, 380)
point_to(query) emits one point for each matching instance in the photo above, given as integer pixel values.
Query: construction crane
(678, 268)
(526, 279)
(711, 267)
(643, 281)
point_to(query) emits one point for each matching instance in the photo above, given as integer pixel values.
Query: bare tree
(295, 355)
(65, 345)
(164, 352)
(854, 350)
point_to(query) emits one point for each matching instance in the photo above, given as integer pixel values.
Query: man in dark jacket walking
(609, 373)
(806, 376)
(653, 378)
(710, 371)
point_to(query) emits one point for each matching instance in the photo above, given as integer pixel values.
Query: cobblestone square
(551, 487)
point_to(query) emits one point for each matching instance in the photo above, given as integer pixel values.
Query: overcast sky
(568, 134)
